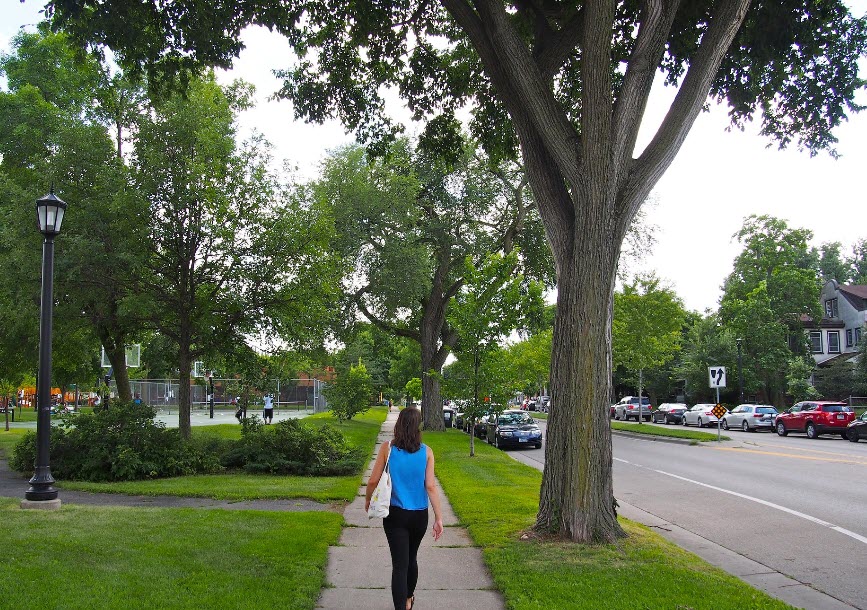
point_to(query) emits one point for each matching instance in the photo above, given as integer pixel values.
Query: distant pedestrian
(411, 465)
(240, 411)
(268, 414)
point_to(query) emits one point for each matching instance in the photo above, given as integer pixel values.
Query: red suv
(815, 418)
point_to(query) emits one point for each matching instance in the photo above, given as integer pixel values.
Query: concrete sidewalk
(452, 573)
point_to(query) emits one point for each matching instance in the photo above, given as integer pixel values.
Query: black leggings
(404, 530)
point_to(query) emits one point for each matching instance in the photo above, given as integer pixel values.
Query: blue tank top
(407, 478)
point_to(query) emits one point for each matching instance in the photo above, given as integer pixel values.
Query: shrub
(122, 443)
(292, 447)
(350, 393)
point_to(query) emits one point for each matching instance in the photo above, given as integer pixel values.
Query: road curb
(661, 439)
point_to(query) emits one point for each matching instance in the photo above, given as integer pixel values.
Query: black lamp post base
(41, 504)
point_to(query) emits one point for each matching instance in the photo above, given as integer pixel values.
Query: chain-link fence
(294, 394)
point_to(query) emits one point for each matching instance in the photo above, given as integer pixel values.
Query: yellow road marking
(855, 460)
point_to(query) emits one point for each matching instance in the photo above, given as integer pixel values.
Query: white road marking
(791, 511)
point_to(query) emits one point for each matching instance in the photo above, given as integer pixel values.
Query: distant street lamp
(210, 376)
(42, 494)
(740, 371)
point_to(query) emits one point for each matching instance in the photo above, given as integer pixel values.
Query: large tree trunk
(114, 343)
(577, 496)
(117, 357)
(184, 402)
(431, 367)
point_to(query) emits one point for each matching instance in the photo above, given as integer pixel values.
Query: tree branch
(382, 324)
(649, 46)
(661, 151)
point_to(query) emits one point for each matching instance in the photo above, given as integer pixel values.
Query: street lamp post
(42, 493)
(740, 371)
(210, 376)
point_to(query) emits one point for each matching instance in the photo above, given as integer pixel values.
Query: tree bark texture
(577, 496)
(432, 360)
(588, 188)
(115, 348)
(184, 402)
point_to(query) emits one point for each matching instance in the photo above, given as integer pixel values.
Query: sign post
(717, 379)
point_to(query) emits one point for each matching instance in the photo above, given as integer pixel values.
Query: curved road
(796, 505)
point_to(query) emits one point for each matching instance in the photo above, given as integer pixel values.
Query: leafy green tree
(858, 262)
(232, 252)
(529, 362)
(835, 381)
(53, 130)
(493, 303)
(860, 368)
(773, 286)
(350, 394)
(569, 83)
(646, 329)
(413, 388)
(831, 264)
(706, 344)
(405, 225)
(798, 379)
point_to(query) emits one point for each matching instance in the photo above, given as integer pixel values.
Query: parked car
(700, 415)
(543, 403)
(513, 428)
(627, 408)
(857, 429)
(815, 417)
(750, 418)
(668, 413)
(613, 411)
(480, 428)
(449, 417)
(459, 418)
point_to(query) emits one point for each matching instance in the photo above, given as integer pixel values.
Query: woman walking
(411, 466)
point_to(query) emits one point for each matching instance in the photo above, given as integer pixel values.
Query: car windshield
(511, 419)
(766, 410)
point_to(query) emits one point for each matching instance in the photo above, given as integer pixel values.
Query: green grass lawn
(361, 431)
(672, 431)
(8, 440)
(496, 498)
(232, 486)
(113, 557)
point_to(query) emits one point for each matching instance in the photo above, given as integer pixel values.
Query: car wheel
(781, 429)
(700, 425)
(853, 435)
(811, 430)
(683, 422)
(665, 420)
(744, 426)
(496, 441)
(725, 424)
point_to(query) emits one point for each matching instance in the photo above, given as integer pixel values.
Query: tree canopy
(567, 83)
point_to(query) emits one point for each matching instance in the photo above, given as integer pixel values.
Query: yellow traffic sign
(719, 411)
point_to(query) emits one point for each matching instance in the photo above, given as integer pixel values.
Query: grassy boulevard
(191, 558)
(496, 498)
(669, 431)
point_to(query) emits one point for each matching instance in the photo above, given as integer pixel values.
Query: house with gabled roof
(844, 314)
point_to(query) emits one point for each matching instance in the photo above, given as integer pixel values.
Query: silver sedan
(700, 415)
(750, 418)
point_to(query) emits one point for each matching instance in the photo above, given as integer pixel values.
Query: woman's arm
(433, 494)
(376, 473)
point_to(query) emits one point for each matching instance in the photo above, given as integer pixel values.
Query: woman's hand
(437, 529)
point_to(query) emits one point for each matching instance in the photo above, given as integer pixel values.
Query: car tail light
(708, 412)
(757, 415)
(631, 407)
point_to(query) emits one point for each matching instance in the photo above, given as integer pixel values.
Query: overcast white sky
(717, 180)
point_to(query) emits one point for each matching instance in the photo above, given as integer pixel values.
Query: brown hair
(407, 432)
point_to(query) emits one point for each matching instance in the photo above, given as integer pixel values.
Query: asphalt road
(796, 505)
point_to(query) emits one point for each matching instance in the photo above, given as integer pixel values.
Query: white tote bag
(381, 498)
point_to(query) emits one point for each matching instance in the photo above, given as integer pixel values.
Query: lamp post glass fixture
(49, 215)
